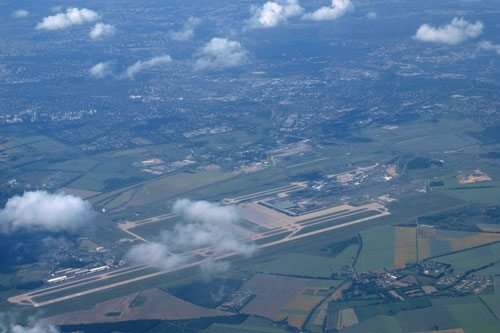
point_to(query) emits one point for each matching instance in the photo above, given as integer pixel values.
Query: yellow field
(424, 242)
(299, 308)
(458, 244)
(293, 319)
(405, 245)
(347, 317)
(489, 227)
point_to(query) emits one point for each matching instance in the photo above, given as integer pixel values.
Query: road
(132, 224)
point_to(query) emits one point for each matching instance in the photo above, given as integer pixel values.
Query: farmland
(301, 301)
(447, 314)
(325, 188)
(348, 253)
(306, 265)
(128, 276)
(287, 283)
(255, 166)
(492, 301)
(251, 324)
(297, 310)
(378, 249)
(405, 246)
(400, 243)
(472, 259)
(474, 317)
(156, 305)
(272, 293)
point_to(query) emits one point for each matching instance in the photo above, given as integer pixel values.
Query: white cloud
(19, 13)
(155, 254)
(205, 224)
(72, 16)
(56, 9)
(337, 9)
(45, 211)
(221, 238)
(209, 225)
(371, 15)
(220, 53)
(273, 13)
(206, 212)
(489, 46)
(459, 30)
(102, 30)
(187, 31)
(140, 66)
(101, 70)
(8, 325)
(42, 327)
(211, 267)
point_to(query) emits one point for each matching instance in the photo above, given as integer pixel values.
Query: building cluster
(157, 166)
(406, 282)
(434, 269)
(474, 285)
(238, 301)
(71, 273)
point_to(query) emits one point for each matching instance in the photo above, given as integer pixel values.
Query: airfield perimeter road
(126, 226)
(132, 224)
(27, 299)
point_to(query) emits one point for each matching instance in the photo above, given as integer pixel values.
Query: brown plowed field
(158, 305)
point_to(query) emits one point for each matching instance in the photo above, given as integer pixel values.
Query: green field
(251, 324)
(493, 303)
(472, 259)
(377, 250)
(41, 144)
(437, 142)
(79, 165)
(100, 181)
(419, 204)
(490, 270)
(484, 192)
(474, 317)
(386, 324)
(153, 230)
(242, 184)
(426, 319)
(227, 141)
(175, 185)
(367, 312)
(129, 152)
(211, 185)
(468, 313)
(298, 264)
(87, 244)
(160, 189)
